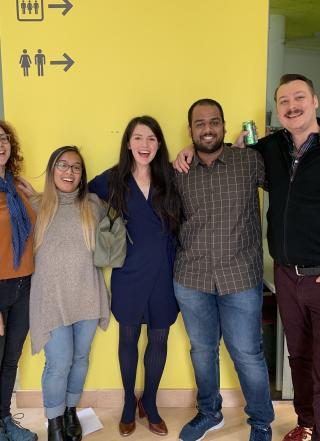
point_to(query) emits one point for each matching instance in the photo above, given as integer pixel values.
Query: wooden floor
(235, 428)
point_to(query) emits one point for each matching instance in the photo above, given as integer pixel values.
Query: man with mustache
(292, 161)
(218, 272)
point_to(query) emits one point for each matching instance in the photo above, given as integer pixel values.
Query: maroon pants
(299, 305)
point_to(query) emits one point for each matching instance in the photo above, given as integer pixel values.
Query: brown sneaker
(299, 433)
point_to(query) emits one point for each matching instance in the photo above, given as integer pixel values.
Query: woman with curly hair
(16, 267)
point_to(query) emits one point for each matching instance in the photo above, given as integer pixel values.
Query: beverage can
(251, 138)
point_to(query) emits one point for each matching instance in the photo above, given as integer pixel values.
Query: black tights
(154, 361)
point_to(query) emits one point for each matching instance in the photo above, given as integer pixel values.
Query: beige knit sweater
(66, 287)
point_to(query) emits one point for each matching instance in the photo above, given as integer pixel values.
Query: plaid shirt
(313, 140)
(221, 235)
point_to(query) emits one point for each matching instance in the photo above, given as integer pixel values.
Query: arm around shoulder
(100, 185)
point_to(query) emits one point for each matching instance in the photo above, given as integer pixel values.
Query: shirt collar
(313, 140)
(221, 158)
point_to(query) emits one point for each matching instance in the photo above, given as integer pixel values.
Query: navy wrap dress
(142, 290)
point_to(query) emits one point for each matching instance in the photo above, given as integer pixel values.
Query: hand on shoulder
(184, 159)
(25, 187)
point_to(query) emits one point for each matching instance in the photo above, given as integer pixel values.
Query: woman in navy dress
(141, 187)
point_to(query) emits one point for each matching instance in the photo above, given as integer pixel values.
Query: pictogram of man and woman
(39, 60)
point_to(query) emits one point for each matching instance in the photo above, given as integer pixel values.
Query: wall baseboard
(113, 398)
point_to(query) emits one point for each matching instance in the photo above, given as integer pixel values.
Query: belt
(306, 270)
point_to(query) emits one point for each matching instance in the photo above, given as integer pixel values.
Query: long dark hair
(165, 198)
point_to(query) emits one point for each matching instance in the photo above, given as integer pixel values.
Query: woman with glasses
(68, 293)
(141, 187)
(16, 267)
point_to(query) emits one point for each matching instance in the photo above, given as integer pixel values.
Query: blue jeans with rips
(236, 317)
(67, 361)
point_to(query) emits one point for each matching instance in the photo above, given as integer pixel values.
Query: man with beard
(218, 272)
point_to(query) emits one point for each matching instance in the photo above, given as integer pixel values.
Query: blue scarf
(20, 222)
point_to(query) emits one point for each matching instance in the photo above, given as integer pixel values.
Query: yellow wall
(131, 57)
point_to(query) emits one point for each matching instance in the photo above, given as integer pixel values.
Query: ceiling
(302, 22)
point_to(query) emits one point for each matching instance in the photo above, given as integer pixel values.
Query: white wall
(282, 59)
(275, 61)
(303, 62)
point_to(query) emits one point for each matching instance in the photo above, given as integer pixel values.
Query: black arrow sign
(68, 62)
(66, 6)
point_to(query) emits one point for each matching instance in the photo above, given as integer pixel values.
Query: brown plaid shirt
(221, 234)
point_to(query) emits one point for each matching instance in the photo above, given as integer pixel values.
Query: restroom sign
(37, 64)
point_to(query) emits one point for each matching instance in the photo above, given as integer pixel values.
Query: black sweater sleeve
(100, 185)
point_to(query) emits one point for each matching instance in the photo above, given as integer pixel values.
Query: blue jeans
(67, 362)
(237, 317)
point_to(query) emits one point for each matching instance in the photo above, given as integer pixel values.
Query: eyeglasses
(64, 166)
(5, 138)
